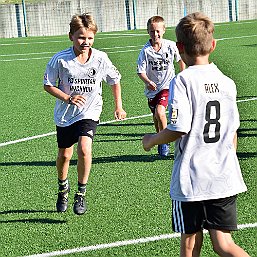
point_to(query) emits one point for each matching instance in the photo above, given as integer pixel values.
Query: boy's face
(156, 31)
(82, 39)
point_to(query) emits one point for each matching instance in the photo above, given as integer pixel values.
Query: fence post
(236, 9)
(135, 14)
(24, 17)
(230, 10)
(18, 19)
(128, 14)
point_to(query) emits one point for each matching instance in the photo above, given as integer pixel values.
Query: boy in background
(155, 67)
(74, 76)
(204, 118)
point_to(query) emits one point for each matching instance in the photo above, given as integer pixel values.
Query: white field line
(60, 41)
(104, 48)
(116, 35)
(53, 133)
(111, 52)
(122, 243)
(101, 123)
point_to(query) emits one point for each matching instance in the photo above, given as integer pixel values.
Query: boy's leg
(160, 115)
(84, 151)
(156, 124)
(221, 218)
(187, 219)
(224, 245)
(62, 164)
(191, 244)
(161, 121)
(161, 102)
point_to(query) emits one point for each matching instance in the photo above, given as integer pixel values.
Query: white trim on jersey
(178, 218)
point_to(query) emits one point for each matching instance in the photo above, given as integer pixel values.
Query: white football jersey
(158, 66)
(202, 103)
(74, 78)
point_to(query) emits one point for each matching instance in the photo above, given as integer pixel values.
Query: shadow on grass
(246, 155)
(30, 220)
(96, 160)
(124, 124)
(251, 45)
(100, 140)
(39, 220)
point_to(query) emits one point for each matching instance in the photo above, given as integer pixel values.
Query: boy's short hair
(155, 19)
(84, 20)
(195, 32)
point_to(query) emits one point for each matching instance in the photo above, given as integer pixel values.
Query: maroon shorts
(161, 98)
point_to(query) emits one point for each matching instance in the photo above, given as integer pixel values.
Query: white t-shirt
(74, 78)
(158, 66)
(202, 103)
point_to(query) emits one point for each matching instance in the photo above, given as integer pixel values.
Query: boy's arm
(147, 81)
(56, 92)
(78, 100)
(235, 141)
(163, 137)
(119, 113)
(182, 65)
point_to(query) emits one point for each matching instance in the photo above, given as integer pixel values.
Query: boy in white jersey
(74, 76)
(203, 119)
(155, 67)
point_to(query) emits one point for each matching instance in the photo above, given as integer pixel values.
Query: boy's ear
(213, 45)
(70, 37)
(180, 47)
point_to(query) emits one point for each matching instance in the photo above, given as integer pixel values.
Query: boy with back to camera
(155, 67)
(74, 76)
(204, 118)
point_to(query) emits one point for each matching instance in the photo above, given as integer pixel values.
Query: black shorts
(68, 136)
(191, 217)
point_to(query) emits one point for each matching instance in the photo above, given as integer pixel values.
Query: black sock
(63, 185)
(82, 188)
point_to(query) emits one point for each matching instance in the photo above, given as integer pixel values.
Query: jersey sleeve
(141, 62)
(176, 53)
(111, 73)
(180, 111)
(51, 74)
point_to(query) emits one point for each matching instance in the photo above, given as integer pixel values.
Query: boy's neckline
(157, 47)
(83, 58)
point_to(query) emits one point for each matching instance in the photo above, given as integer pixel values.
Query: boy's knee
(64, 156)
(160, 113)
(84, 151)
(222, 247)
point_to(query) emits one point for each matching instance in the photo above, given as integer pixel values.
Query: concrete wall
(53, 17)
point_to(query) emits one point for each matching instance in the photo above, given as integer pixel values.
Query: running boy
(74, 76)
(204, 118)
(155, 67)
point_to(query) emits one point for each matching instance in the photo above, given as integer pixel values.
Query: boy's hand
(120, 114)
(152, 86)
(78, 100)
(146, 141)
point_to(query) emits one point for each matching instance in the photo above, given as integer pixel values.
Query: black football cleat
(79, 206)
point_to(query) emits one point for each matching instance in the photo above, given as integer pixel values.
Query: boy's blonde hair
(195, 32)
(155, 19)
(84, 20)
